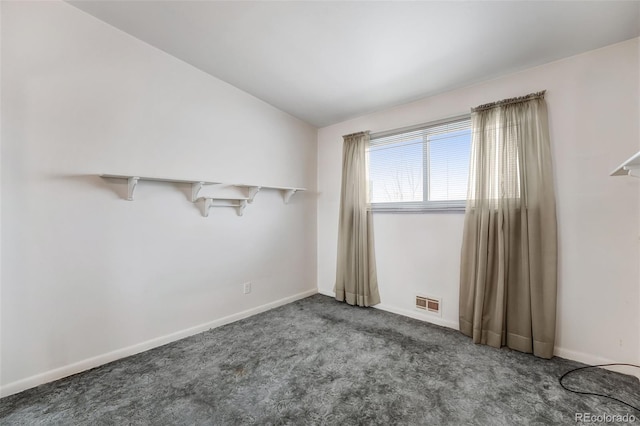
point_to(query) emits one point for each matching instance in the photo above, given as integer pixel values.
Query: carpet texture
(317, 361)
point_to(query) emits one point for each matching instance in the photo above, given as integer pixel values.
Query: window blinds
(420, 168)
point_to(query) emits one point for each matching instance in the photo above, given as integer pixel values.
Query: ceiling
(326, 62)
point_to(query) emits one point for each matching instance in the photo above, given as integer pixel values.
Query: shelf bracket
(208, 203)
(253, 190)
(131, 187)
(195, 190)
(633, 171)
(288, 193)
(241, 206)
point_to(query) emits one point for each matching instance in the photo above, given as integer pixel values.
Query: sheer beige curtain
(509, 251)
(356, 279)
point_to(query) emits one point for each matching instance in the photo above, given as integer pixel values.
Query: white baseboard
(326, 292)
(77, 367)
(596, 360)
(418, 315)
(581, 356)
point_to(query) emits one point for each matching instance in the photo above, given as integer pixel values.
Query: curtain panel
(508, 273)
(356, 278)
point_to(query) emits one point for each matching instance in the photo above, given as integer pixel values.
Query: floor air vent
(428, 304)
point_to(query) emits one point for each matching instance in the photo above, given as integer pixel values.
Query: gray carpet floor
(317, 361)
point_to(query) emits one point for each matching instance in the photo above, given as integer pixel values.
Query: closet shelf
(631, 167)
(196, 185)
(239, 203)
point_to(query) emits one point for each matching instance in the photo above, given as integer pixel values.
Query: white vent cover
(430, 304)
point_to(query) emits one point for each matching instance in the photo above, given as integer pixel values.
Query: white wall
(593, 107)
(88, 276)
(638, 120)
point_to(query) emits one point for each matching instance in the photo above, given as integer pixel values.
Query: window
(422, 168)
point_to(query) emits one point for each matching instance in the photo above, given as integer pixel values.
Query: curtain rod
(509, 101)
(356, 134)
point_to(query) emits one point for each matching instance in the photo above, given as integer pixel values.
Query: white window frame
(424, 206)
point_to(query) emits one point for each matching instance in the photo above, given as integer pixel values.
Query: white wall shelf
(196, 185)
(631, 167)
(239, 203)
(252, 190)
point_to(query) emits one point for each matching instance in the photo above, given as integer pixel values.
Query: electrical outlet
(246, 287)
